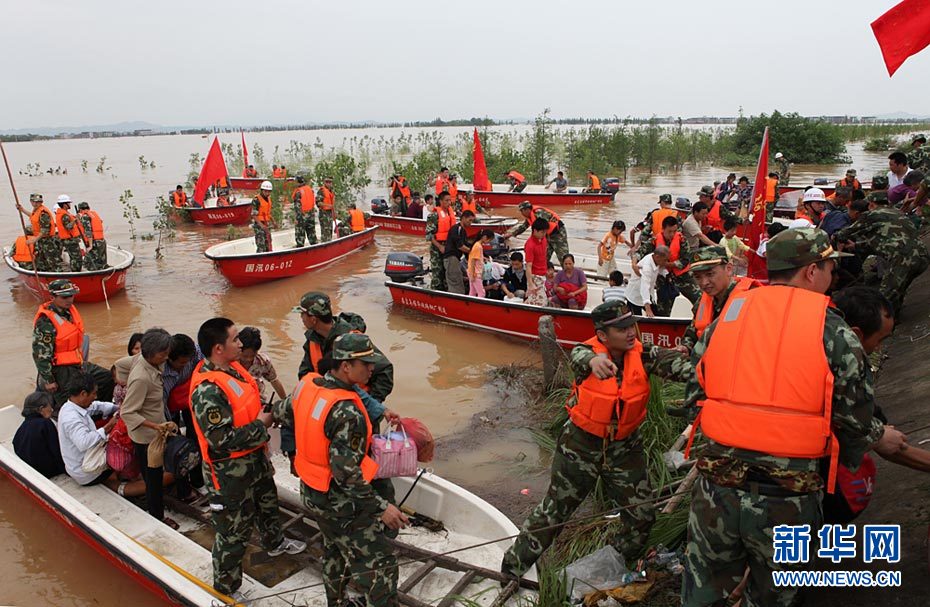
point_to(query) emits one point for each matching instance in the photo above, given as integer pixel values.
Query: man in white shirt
(77, 433)
(641, 289)
(897, 165)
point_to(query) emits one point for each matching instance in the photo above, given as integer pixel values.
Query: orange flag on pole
(214, 167)
(903, 31)
(480, 180)
(757, 267)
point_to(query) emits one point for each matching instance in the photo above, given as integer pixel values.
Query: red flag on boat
(480, 181)
(245, 155)
(757, 267)
(903, 31)
(214, 167)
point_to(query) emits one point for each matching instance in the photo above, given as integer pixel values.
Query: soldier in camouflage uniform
(326, 203)
(919, 158)
(304, 222)
(59, 370)
(582, 457)
(469, 200)
(70, 235)
(741, 493)
(261, 218)
(892, 240)
(556, 239)
(241, 487)
(684, 282)
(47, 254)
(96, 256)
(784, 169)
(351, 514)
(644, 227)
(437, 268)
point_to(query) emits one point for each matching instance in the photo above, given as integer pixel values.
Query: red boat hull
(96, 286)
(417, 227)
(511, 199)
(236, 215)
(256, 268)
(251, 184)
(521, 320)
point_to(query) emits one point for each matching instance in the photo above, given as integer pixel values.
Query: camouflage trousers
(730, 529)
(580, 460)
(437, 269)
(305, 228)
(66, 375)
(688, 287)
(72, 246)
(47, 255)
(326, 225)
(557, 243)
(354, 549)
(262, 238)
(96, 256)
(247, 496)
(893, 276)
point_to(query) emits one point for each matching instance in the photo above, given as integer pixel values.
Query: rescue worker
(222, 197)
(399, 187)
(249, 172)
(44, 231)
(94, 242)
(601, 439)
(713, 273)
(304, 213)
(69, 232)
(812, 205)
(849, 181)
(716, 213)
(652, 224)
(357, 218)
(516, 180)
(336, 474)
(58, 346)
(438, 224)
(23, 251)
(556, 237)
(679, 255)
(441, 181)
(326, 201)
(594, 183)
(232, 431)
(919, 157)
(771, 196)
(468, 204)
(262, 220)
(784, 169)
(179, 197)
(275, 172)
(803, 394)
(283, 172)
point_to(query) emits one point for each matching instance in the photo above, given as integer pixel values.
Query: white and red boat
(95, 286)
(498, 199)
(243, 267)
(251, 184)
(237, 214)
(417, 227)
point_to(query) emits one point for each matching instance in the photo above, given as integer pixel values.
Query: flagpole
(22, 222)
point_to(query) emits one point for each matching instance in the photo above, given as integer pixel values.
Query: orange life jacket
(771, 184)
(222, 201)
(608, 248)
(312, 404)
(714, 221)
(96, 224)
(264, 209)
(443, 184)
(470, 206)
(283, 173)
(516, 177)
(22, 251)
(776, 332)
(601, 405)
(844, 182)
(247, 172)
(595, 182)
(658, 216)
(357, 220)
(179, 199)
(553, 224)
(329, 199)
(244, 399)
(446, 221)
(276, 174)
(453, 190)
(69, 335)
(802, 214)
(307, 198)
(64, 234)
(674, 251)
(705, 312)
(396, 188)
(34, 218)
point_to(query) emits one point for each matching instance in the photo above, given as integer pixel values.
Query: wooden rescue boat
(417, 227)
(95, 286)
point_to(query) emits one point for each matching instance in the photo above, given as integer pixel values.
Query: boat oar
(22, 221)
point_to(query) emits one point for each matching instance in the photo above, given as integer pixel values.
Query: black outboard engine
(380, 206)
(821, 181)
(497, 247)
(404, 267)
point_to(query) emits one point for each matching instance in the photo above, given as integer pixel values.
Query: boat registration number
(268, 267)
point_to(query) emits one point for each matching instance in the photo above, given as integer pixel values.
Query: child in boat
(476, 264)
(550, 280)
(736, 248)
(607, 248)
(36, 439)
(617, 289)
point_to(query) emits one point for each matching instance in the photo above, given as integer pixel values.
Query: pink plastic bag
(395, 454)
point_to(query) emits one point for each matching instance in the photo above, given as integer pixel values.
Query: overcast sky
(208, 62)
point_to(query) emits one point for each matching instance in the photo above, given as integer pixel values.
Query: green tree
(802, 140)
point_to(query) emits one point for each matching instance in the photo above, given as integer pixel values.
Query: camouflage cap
(62, 287)
(706, 258)
(526, 205)
(707, 190)
(35, 198)
(797, 247)
(878, 197)
(614, 313)
(919, 137)
(880, 182)
(83, 206)
(666, 198)
(851, 172)
(354, 346)
(315, 303)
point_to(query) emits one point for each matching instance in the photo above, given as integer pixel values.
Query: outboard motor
(821, 181)
(496, 247)
(403, 267)
(379, 206)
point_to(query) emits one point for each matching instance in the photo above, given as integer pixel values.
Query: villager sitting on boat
(429, 205)
(95, 244)
(513, 283)
(438, 225)
(492, 279)
(415, 208)
(468, 204)
(594, 183)
(741, 200)
(571, 286)
(456, 245)
(262, 220)
(249, 172)
(397, 206)
(607, 248)
(556, 234)
(134, 346)
(23, 251)
(616, 289)
(537, 259)
(78, 435)
(516, 180)
(183, 356)
(257, 364)
(45, 246)
(36, 439)
(69, 233)
(641, 291)
(475, 263)
(561, 184)
(232, 430)
(179, 197)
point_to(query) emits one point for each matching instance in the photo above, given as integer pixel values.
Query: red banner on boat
(903, 31)
(757, 267)
(214, 167)
(480, 180)
(245, 155)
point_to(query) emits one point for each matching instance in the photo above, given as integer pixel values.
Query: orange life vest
(312, 404)
(601, 405)
(96, 224)
(443, 184)
(705, 312)
(276, 174)
(608, 247)
(244, 399)
(553, 224)
(283, 173)
(714, 221)
(453, 190)
(222, 201)
(771, 185)
(264, 209)
(64, 234)
(22, 251)
(674, 251)
(786, 410)
(595, 182)
(802, 214)
(315, 354)
(179, 199)
(658, 216)
(329, 199)
(247, 172)
(844, 182)
(397, 188)
(470, 206)
(357, 220)
(34, 218)
(446, 221)
(307, 198)
(516, 177)
(69, 335)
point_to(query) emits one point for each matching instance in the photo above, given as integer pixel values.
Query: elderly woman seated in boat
(36, 439)
(571, 286)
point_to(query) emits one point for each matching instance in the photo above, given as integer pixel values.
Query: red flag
(214, 167)
(903, 31)
(245, 154)
(757, 267)
(480, 180)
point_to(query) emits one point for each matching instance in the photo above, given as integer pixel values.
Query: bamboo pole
(22, 222)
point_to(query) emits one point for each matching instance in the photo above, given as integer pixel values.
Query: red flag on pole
(214, 167)
(480, 181)
(757, 267)
(903, 31)
(245, 154)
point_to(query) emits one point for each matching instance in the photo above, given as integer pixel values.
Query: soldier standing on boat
(261, 218)
(337, 474)
(556, 236)
(438, 224)
(304, 213)
(601, 439)
(784, 169)
(326, 201)
(47, 252)
(94, 242)
(232, 431)
(69, 232)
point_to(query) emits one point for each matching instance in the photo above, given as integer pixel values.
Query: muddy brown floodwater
(441, 371)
